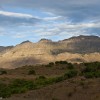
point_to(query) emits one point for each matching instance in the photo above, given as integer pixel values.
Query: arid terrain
(76, 50)
(50, 82)
(65, 70)
(49, 49)
(67, 90)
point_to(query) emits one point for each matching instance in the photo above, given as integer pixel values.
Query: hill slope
(4, 49)
(75, 49)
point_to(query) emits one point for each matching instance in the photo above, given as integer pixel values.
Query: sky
(22, 20)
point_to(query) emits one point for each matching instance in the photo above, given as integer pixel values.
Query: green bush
(4, 90)
(71, 73)
(91, 70)
(42, 77)
(61, 62)
(31, 72)
(70, 66)
(92, 74)
(16, 86)
(59, 79)
(3, 72)
(89, 75)
(97, 74)
(51, 64)
(21, 86)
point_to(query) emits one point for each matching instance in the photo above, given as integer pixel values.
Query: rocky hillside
(4, 49)
(75, 49)
(82, 44)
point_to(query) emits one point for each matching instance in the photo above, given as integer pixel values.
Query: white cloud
(76, 10)
(68, 17)
(12, 14)
(64, 29)
(52, 18)
(12, 19)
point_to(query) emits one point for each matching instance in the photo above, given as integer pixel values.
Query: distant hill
(82, 44)
(75, 49)
(3, 49)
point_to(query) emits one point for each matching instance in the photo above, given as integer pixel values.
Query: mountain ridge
(76, 50)
(5, 48)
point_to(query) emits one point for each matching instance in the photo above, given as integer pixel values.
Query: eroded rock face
(76, 49)
(83, 44)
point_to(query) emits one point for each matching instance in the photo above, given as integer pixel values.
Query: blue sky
(32, 20)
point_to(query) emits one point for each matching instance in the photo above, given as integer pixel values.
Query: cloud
(13, 19)
(12, 14)
(52, 18)
(20, 35)
(67, 18)
(76, 10)
(67, 29)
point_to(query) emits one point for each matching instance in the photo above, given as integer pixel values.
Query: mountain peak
(45, 40)
(27, 41)
(85, 37)
(82, 37)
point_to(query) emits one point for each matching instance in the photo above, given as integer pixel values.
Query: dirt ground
(78, 88)
(73, 89)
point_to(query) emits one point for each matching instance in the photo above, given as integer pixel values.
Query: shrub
(71, 73)
(70, 66)
(97, 74)
(59, 79)
(20, 86)
(4, 91)
(51, 63)
(89, 75)
(91, 70)
(61, 62)
(31, 72)
(3, 72)
(16, 86)
(42, 77)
